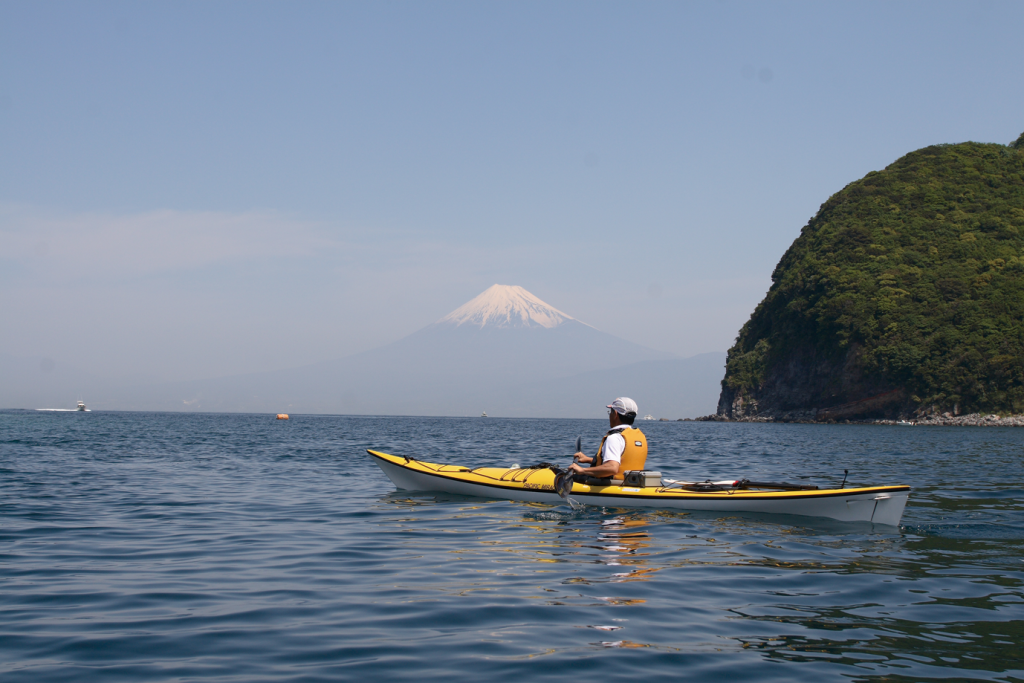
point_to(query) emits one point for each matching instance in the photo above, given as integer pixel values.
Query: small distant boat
(648, 417)
(80, 408)
(282, 416)
(483, 414)
(904, 423)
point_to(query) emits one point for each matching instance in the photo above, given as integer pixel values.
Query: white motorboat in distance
(80, 408)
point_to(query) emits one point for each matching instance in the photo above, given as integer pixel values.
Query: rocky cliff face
(903, 296)
(809, 383)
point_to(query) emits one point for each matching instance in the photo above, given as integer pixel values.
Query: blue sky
(196, 189)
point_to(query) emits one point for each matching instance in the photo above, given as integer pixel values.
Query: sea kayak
(877, 504)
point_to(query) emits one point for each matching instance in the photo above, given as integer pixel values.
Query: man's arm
(609, 468)
(605, 469)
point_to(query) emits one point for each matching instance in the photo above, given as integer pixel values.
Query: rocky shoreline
(933, 420)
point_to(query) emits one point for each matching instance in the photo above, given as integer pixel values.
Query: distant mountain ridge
(505, 351)
(474, 359)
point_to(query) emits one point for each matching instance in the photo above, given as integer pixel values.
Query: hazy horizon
(506, 351)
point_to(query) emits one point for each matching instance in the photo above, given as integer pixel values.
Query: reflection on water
(869, 601)
(202, 548)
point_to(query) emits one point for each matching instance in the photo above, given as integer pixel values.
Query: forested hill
(904, 295)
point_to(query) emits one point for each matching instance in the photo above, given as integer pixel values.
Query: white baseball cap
(623, 405)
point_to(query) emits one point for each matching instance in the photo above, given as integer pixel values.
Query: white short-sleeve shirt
(614, 445)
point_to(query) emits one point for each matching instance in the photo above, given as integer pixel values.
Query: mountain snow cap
(506, 306)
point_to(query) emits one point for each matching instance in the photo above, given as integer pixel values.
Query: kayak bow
(877, 504)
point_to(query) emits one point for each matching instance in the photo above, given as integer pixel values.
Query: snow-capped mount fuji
(506, 306)
(505, 351)
(506, 336)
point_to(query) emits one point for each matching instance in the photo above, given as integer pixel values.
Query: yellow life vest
(633, 457)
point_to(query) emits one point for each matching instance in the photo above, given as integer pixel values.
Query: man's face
(613, 418)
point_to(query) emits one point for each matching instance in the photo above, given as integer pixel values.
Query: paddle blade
(579, 444)
(563, 483)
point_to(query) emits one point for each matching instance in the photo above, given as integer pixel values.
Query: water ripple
(158, 547)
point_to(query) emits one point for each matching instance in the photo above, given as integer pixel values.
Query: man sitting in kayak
(623, 448)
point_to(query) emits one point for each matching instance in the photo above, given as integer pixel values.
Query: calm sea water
(168, 547)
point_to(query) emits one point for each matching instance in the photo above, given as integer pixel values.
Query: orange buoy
(282, 416)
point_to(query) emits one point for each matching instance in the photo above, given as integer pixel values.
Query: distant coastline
(944, 420)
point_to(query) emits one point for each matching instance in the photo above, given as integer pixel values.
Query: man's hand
(579, 457)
